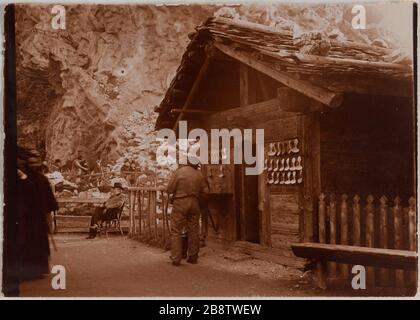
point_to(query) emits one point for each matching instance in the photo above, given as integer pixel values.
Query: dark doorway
(250, 223)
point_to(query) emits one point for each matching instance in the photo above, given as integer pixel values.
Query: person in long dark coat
(35, 201)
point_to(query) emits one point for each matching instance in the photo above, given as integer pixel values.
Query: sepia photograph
(258, 150)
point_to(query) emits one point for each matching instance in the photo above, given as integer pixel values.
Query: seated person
(102, 213)
(56, 166)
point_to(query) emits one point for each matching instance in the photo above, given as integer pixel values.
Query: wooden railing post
(144, 213)
(131, 204)
(344, 227)
(322, 265)
(412, 223)
(135, 202)
(370, 236)
(149, 219)
(333, 234)
(383, 238)
(356, 221)
(397, 219)
(154, 213)
(163, 218)
(167, 216)
(140, 210)
(412, 237)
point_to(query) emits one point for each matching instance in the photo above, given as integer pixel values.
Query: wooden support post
(244, 100)
(356, 221)
(321, 219)
(310, 147)
(397, 218)
(243, 85)
(370, 237)
(313, 139)
(344, 268)
(383, 238)
(412, 223)
(242, 215)
(263, 87)
(332, 214)
(262, 189)
(322, 265)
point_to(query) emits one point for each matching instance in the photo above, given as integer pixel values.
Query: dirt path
(122, 267)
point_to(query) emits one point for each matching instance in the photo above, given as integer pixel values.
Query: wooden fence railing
(149, 218)
(376, 223)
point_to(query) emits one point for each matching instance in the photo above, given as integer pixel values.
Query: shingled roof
(331, 65)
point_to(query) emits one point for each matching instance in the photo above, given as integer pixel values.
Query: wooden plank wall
(282, 214)
(367, 146)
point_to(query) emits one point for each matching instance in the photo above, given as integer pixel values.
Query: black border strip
(10, 279)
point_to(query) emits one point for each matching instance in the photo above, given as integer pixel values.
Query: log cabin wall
(218, 78)
(367, 147)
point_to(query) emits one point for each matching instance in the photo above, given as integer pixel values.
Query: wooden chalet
(342, 123)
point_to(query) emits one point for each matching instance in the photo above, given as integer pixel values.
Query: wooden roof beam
(327, 97)
(287, 103)
(193, 90)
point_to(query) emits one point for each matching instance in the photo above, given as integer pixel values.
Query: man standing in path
(186, 185)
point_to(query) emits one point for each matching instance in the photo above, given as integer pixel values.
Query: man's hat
(118, 185)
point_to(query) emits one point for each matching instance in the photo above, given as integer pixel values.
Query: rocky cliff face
(91, 88)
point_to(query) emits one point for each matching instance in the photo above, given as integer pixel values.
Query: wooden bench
(74, 220)
(374, 257)
(376, 235)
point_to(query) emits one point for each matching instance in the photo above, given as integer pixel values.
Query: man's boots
(92, 232)
(184, 240)
(193, 259)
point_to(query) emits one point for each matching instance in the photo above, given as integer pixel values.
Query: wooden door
(249, 222)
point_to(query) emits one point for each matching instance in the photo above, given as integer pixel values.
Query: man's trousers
(97, 217)
(185, 214)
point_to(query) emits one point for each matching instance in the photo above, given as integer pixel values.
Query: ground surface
(122, 267)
